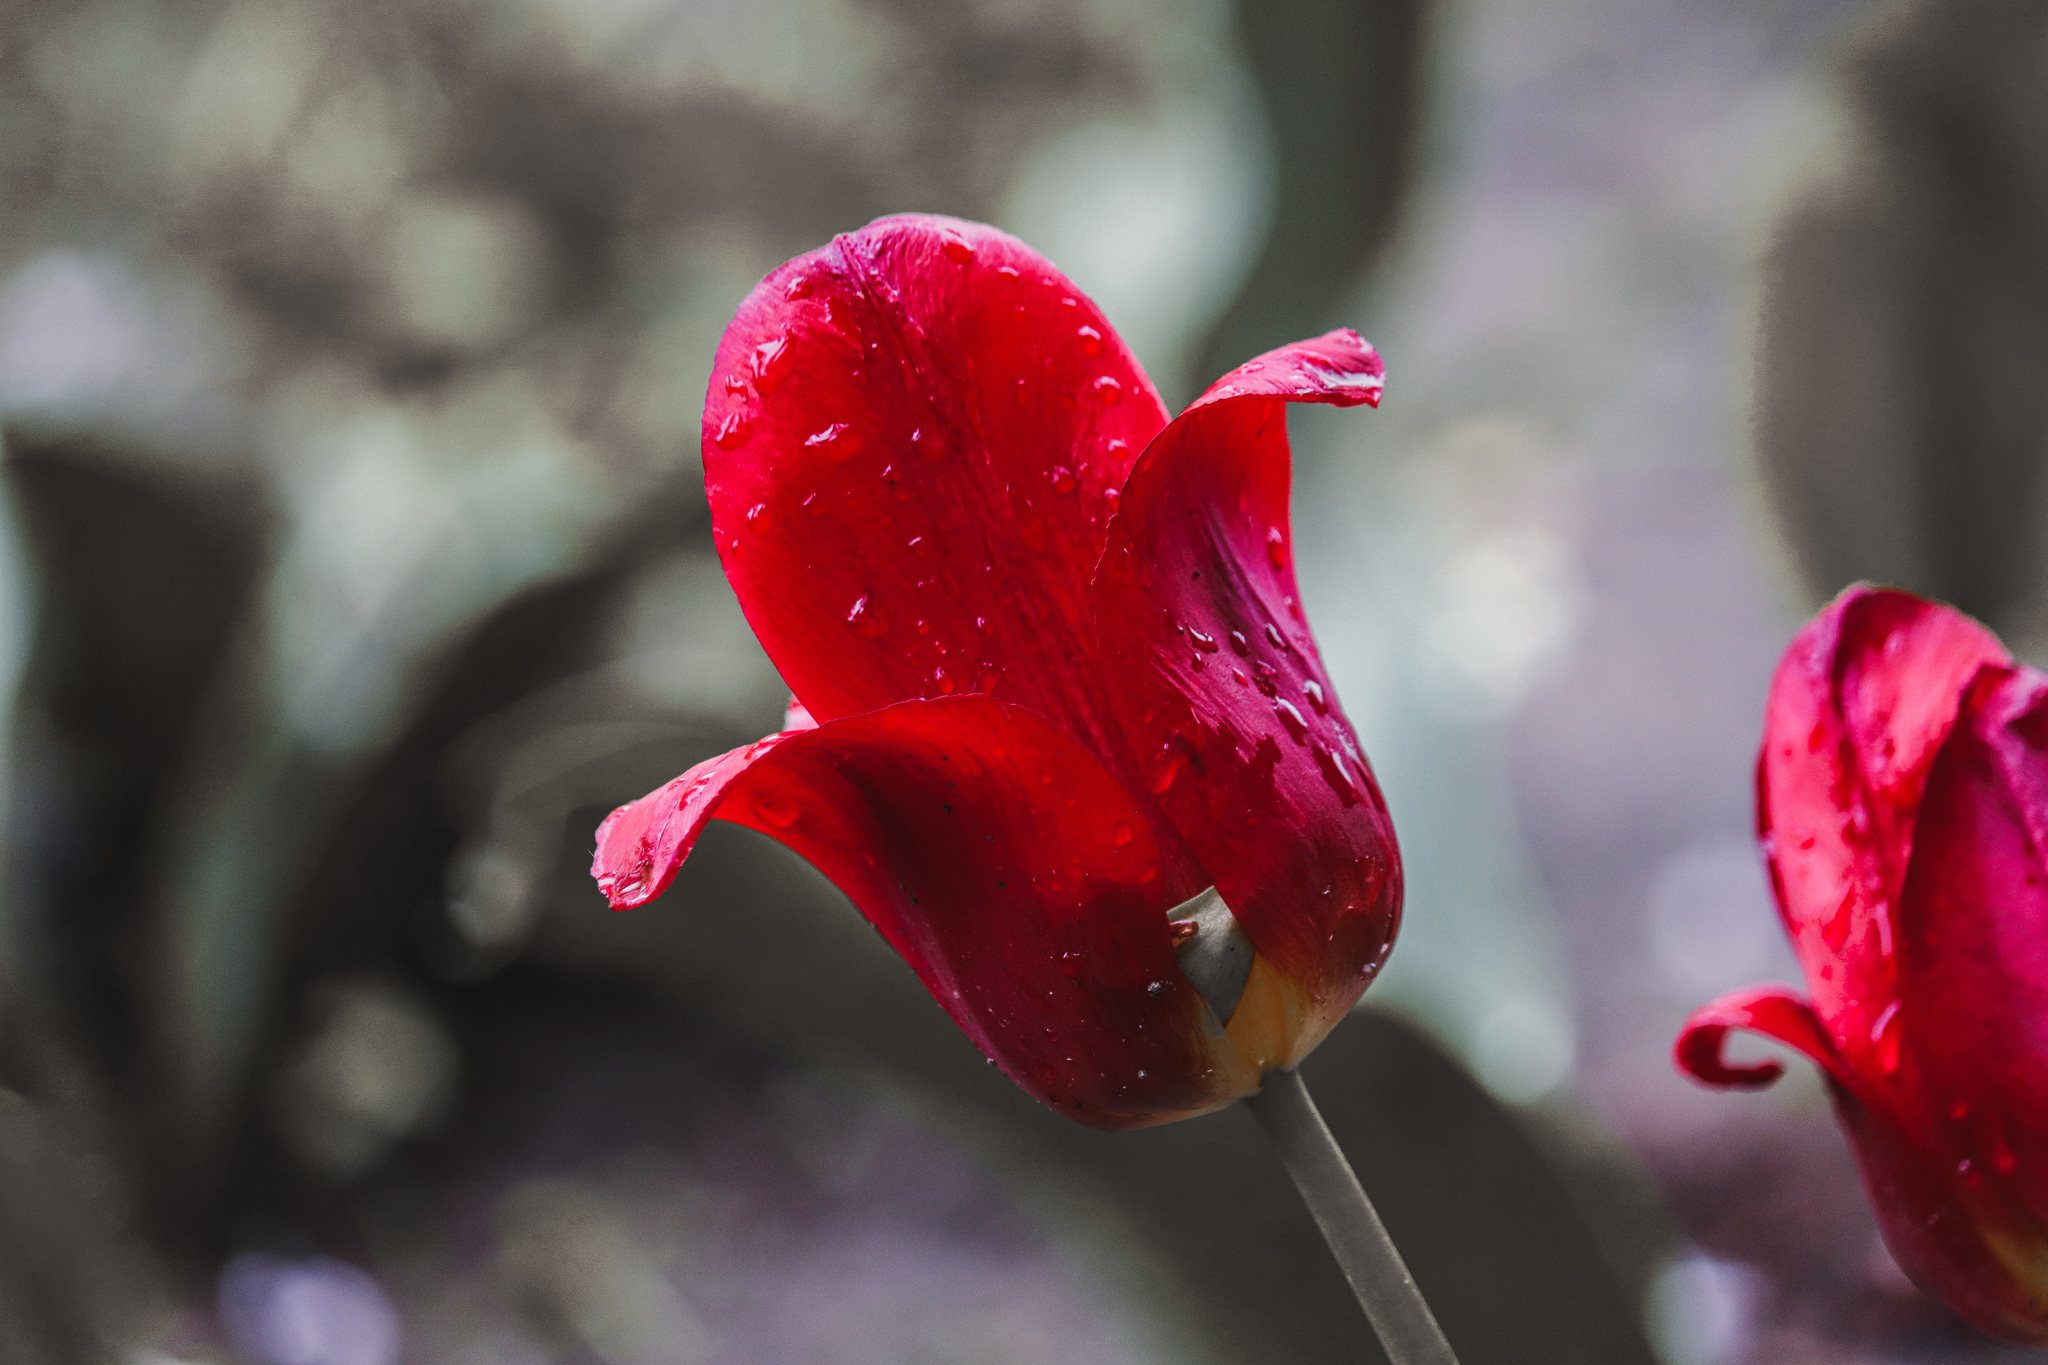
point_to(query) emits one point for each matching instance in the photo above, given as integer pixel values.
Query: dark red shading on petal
(1858, 708)
(1969, 1040)
(914, 442)
(1776, 1012)
(1008, 867)
(1222, 692)
(1952, 1227)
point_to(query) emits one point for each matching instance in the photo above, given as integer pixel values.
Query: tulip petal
(1858, 709)
(1952, 1227)
(1005, 863)
(914, 441)
(1970, 1032)
(1776, 1012)
(1220, 688)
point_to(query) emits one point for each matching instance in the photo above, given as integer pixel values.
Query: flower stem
(1407, 1329)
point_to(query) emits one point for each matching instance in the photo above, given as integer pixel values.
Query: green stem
(1407, 1329)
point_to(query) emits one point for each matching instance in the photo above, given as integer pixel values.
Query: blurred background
(355, 561)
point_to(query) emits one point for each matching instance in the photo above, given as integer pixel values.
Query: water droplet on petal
(1332, 768)
(1297, 727)
(775, 808)
(1884, 1036)
(734, 430)
(1313, 690)
(813, 504)
(928, 446)
(798, 287)
(836, 442)
(943, 681)
(1172, 759)
(1276, 547)
(1114, 497)
(2002, 1159)
(1108, 390)
(1062, 479)
(1835, 931)
(1091, 342)
(1156, 989)
(1206, 643)
(758, 517)
(956, 248)
(1240, 644)
(1278, 640)
(772, 361)
(867, 619)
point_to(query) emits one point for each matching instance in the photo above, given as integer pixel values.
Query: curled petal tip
(1699, 1055)
(1773, 1011)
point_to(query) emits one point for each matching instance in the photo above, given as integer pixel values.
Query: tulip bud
(1902, 806)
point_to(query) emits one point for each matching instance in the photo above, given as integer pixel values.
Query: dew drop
(1062, 479)
(956, 249)
(1114, 498)
(1885, 1038)
(1836, 930)
(836, 442)
(798, 287)
(917, 546)
(772, 361)
(813, 504)
(1240, 644)
(928, 446)
(1108, 390)
(1297, 727)
(1332, 768)
(734, 430)
(1172, 759)
(1206, 643)
(942, 680)
(1274, 636)
(1156, 989)
(2002, 1159)
(1091, 342)
(1276, 547)
(758, 517)
(1313, 690)
(867, 619)
(775, 809)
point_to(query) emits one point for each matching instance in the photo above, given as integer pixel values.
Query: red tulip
(1902, 804)
(1056, 665)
